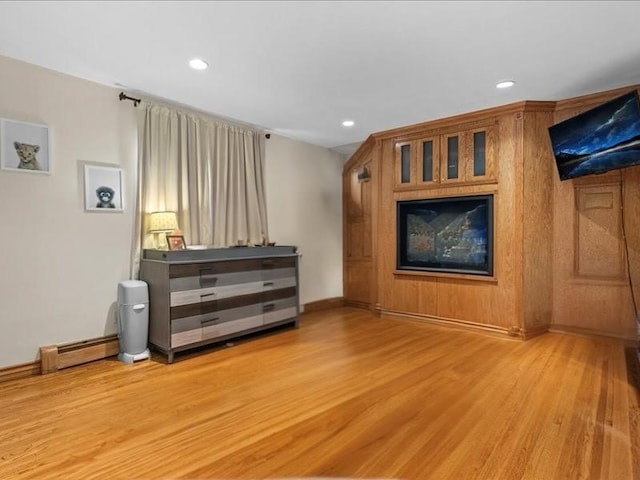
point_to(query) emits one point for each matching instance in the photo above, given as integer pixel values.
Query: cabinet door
(480, 164)
(428, 161)
(405, 164)
(417, 163)
(468, 156)
(453, 158)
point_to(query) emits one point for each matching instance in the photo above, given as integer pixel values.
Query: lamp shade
(163, 222)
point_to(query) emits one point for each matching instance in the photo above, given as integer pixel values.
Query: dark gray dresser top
(217, 253)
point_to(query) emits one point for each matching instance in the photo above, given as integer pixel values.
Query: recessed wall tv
(452, 234)
(601, 139)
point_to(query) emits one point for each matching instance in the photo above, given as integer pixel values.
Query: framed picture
(176, 242)
(24, 147)
(103, 189)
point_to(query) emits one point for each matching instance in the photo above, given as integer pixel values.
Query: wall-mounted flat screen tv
(601, 139)
(453, 234)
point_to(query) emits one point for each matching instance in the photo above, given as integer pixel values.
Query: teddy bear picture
(103, 189)
(105, 197)
(25, 147)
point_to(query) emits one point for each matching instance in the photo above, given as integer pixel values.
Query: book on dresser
(200, 297)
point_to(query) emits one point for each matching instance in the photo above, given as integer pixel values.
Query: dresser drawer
(207, 269)
(200, 327)
(201, 295)
(235, 326)
(278, 262)
(278, 310)
(278, 283)
(185, 331)
(214, 280)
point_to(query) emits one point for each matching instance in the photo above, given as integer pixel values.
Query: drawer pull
(212, 320)
(208, 295)
(268, 284)
(268, 308)
(268, 263)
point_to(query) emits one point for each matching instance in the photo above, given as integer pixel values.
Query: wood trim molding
(529, 333)
(629, 338)
(324, 304)
(356, 304)
(360, 153)
(590, 100)
(23, 370)
(466, 120)
(455, 323)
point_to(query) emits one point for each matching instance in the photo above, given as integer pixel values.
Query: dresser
(200, 297)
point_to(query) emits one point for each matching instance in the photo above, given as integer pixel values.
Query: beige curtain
(209, 172)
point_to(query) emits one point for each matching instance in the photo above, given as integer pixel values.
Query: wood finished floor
(345, 395)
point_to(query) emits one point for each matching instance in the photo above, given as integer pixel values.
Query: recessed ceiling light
(198, 64)
(505, 84)
(348, 123)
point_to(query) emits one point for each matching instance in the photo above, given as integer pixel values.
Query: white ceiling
(300, 68)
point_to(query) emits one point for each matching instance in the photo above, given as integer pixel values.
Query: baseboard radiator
(57, 357)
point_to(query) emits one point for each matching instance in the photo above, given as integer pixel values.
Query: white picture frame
(103, 189)
(32, 140)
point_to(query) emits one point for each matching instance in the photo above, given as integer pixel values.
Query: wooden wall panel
(591, 290)
(539, 173)
(631, 216)
(598, 238)
(354, 237)
(358, 282)
(508, 235)
(474, 302)
(358, 228)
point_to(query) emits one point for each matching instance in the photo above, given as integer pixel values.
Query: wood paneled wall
(358, 200)
(559, 258)
(592, 291)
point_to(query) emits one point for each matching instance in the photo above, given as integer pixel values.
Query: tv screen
(453, 234)
(601, 139)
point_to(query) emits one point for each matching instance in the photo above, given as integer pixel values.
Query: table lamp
(162, 223)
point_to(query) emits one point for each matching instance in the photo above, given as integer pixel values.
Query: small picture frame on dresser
(176, 242)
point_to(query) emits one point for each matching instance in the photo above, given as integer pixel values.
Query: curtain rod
(135, 101)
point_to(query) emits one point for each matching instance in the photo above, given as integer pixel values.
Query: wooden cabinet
(198, 297)
(558, 256)
(449, 158)
(502, 152)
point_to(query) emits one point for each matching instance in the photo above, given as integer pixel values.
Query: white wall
(304, 207)
(60, 265)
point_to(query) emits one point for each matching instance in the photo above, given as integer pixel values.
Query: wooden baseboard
(356, 304)
(19, 371)
(57, 357)
(567, 329)
(450, 322)
(534, 332)
(324, 304)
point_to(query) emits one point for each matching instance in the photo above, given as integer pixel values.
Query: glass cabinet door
(429, 160)
(481, 142)
(405, 164)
